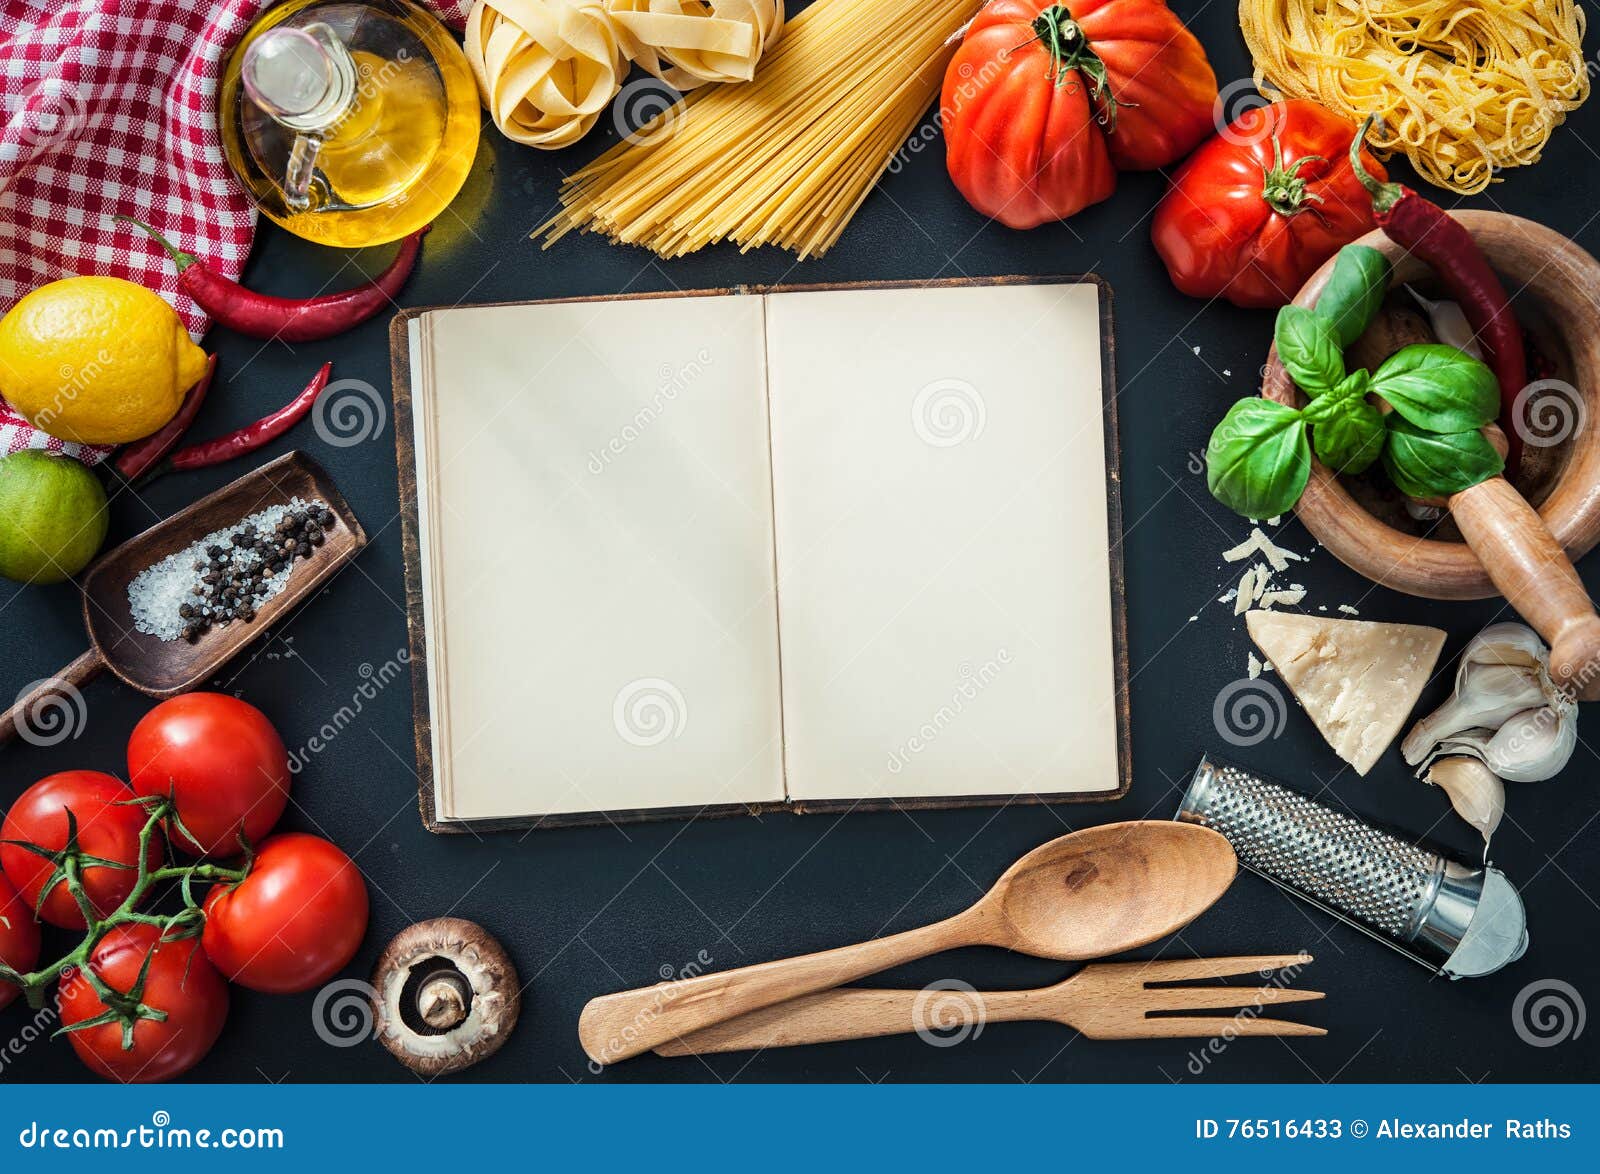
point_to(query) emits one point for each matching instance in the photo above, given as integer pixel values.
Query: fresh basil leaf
(1309, 350)
(1438, 388)
(1351, 440)
(1348, 434)
(1355, 290)
(1258, 459)
(1351, 391)
(1434, 464)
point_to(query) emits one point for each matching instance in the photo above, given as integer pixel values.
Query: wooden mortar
(1510, 548)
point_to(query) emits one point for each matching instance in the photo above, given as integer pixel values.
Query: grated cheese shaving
(1246, 593)
(1258, 543)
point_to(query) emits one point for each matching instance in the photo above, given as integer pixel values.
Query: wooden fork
(1107, 1000)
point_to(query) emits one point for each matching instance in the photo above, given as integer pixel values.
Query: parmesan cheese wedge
(1358, 680)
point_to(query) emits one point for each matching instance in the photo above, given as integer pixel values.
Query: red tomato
(105, 829)
(1256, 210)
(223, 764)
(1042, 105)
(180, 982)
(294, 922)
(19, 938)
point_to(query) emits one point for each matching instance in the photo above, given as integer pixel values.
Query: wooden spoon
(1085, 895)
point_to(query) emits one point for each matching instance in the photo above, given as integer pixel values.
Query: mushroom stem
(441, 1003)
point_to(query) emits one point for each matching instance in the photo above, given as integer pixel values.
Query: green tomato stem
(1069, 52)
(126, 1007)
(1284, 188)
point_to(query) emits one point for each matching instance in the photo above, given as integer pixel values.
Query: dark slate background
(584, 912)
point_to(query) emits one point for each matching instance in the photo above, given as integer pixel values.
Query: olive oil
(349, 123)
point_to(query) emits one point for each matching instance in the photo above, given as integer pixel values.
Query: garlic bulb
(1449, 323)
(1475, 791)
(1506, 711)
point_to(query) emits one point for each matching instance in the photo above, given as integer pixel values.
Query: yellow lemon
(96, 359)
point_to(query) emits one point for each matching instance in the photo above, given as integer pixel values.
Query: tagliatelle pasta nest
(1464, 88)
(547, 69)
(687, 43)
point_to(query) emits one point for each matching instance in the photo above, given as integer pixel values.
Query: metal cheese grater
(1454, 919)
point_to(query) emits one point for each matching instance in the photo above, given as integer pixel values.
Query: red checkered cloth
(110, 107)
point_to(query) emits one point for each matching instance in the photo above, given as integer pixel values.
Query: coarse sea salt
(157, 592)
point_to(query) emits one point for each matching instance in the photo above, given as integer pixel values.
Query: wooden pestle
(1528, 567)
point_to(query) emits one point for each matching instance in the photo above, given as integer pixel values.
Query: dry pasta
(1463, 87)
(687, 43)
(547, 69)
(787, 159)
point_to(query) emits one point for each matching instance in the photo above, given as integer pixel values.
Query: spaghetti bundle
(786, 159)
(1463, 87)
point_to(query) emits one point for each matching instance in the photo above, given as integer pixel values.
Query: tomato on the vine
(108, 828)
(295, 920)
(1258, 208)
(222, 764)
(19, 938)
(180, 984)
(1044, 103)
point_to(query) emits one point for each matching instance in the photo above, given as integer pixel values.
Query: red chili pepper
(138, 458)
(253, 436)
(259, 315)
(1431, 234)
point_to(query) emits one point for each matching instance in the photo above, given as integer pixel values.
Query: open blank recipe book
(815, 548)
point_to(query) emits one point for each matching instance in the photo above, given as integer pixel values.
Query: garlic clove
(1534, 745)
(1450, 325)
(1505, 710)
(1507, 643)
(1486, 695)
(1467, 743)
(1475, 791)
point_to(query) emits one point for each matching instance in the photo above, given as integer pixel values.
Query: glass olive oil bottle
(349, 123)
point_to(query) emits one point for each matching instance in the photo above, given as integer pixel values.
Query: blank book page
(942, 541)
(600, 525)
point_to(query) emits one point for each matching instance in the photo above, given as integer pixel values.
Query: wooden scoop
(163, 668)
(1085, 895)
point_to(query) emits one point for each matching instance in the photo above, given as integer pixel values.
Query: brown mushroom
(445, 996)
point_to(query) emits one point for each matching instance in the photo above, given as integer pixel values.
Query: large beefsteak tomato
(180, 986)
(108, 829)
(1043, 103)
(1257, 209)
(19, 938)
(295, 920)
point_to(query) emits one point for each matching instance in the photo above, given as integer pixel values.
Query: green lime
(52, 516)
